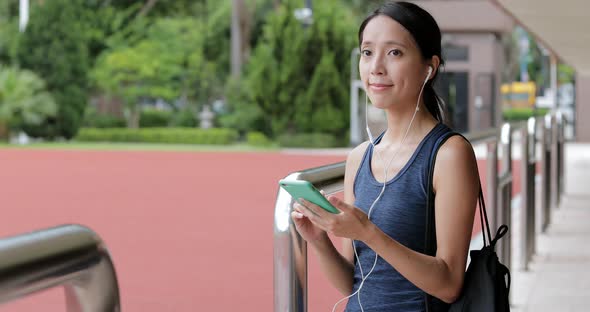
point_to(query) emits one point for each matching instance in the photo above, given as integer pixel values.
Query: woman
(382, 216)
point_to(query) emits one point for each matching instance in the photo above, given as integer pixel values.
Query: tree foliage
(176, 60)
(297, 79)
(23, 99)
(58, 52)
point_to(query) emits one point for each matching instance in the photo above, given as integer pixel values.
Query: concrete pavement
(559, 275)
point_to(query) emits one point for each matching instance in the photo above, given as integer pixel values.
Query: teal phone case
(306, 190)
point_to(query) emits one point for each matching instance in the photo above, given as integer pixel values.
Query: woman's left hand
(351, 222)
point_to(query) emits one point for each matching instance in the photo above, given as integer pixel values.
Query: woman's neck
(398, 124)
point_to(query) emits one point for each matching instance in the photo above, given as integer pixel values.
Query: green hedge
(103, 121)
(154, 118)
(216, 136)
(512, 114)
(183, 118)
(310, 140)
(256, 138)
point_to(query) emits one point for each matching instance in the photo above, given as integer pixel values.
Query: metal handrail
(290, 250)
(72, 256)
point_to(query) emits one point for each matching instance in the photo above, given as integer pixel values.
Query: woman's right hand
(309, 231)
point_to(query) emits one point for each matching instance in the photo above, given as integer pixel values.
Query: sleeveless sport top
(401, 214)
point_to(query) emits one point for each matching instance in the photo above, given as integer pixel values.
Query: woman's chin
(381, 104)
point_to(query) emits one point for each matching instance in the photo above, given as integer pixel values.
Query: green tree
(58, 52)
(565, 74)
(171, 63)
(129, 74)
(8, 30)
(322, 110)
(297, 77)
(23, 100)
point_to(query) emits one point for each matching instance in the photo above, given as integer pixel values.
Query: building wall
(479, 25)
(485, 59)
(470, 15)
(582, 108)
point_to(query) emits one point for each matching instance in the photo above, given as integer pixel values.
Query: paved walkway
(559, 276)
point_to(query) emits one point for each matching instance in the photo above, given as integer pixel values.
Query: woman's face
(391, 66)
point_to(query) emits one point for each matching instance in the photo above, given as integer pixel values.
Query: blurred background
(262, 72)
(164, 125)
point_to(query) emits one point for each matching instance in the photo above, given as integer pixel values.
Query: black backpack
(487, 281)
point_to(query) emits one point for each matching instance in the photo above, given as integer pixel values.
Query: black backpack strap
(430, 230)
(430, 236)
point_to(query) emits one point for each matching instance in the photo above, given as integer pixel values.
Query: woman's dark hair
(425, 31)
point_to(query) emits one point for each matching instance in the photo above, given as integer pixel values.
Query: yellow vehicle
(518, 95)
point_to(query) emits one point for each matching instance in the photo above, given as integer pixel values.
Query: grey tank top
(401, 214)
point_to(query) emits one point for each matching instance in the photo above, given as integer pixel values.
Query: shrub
(103, 121)
(183, 118)
(256, 138)
(310, 140)
(216, 136)
(513, 114)
(154, 118)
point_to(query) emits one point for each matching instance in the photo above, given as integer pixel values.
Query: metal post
(290, 259)
(236, 38)
(492, 177)
(290, 250)
(530, 163)
(554, 163)
(505, 196)
(72, 256)
(546, 171)
(560, 140)
(23, 13)
(525, 200)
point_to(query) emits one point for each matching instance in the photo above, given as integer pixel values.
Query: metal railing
(290, 250)
(72, 256)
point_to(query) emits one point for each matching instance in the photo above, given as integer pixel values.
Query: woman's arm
(339, 267)
(456, 183)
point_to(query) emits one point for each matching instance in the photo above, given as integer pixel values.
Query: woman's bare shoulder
(456, 161)
(356, 155)
(456, 150)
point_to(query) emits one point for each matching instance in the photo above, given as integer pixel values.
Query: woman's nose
(377, 67)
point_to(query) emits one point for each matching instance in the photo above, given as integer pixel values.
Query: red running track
(188, 231)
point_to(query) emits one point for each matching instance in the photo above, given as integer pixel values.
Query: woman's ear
(434, 63)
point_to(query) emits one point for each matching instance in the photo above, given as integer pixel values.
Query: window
(453, 52)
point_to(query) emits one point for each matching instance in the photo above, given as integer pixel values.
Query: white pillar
(236, 38)
(553, 79)
(23, 14)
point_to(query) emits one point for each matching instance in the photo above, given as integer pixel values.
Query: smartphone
(306, 190)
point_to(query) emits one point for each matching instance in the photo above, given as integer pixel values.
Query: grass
(73, 145)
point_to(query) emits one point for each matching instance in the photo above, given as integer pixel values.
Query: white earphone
(371, 139)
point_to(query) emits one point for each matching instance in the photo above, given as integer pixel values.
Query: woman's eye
(366, 52)
(395, 52)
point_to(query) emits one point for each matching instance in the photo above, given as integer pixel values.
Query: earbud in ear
(429, 72)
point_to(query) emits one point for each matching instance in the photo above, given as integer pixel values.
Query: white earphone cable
(364, 277)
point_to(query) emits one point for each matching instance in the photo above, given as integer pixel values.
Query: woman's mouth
(379, 86)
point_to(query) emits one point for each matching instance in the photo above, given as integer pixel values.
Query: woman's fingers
(297, 215)
(313, 208)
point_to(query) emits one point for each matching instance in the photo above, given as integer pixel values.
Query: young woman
(382, 216)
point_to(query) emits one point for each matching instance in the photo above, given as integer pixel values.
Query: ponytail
(434, 104)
